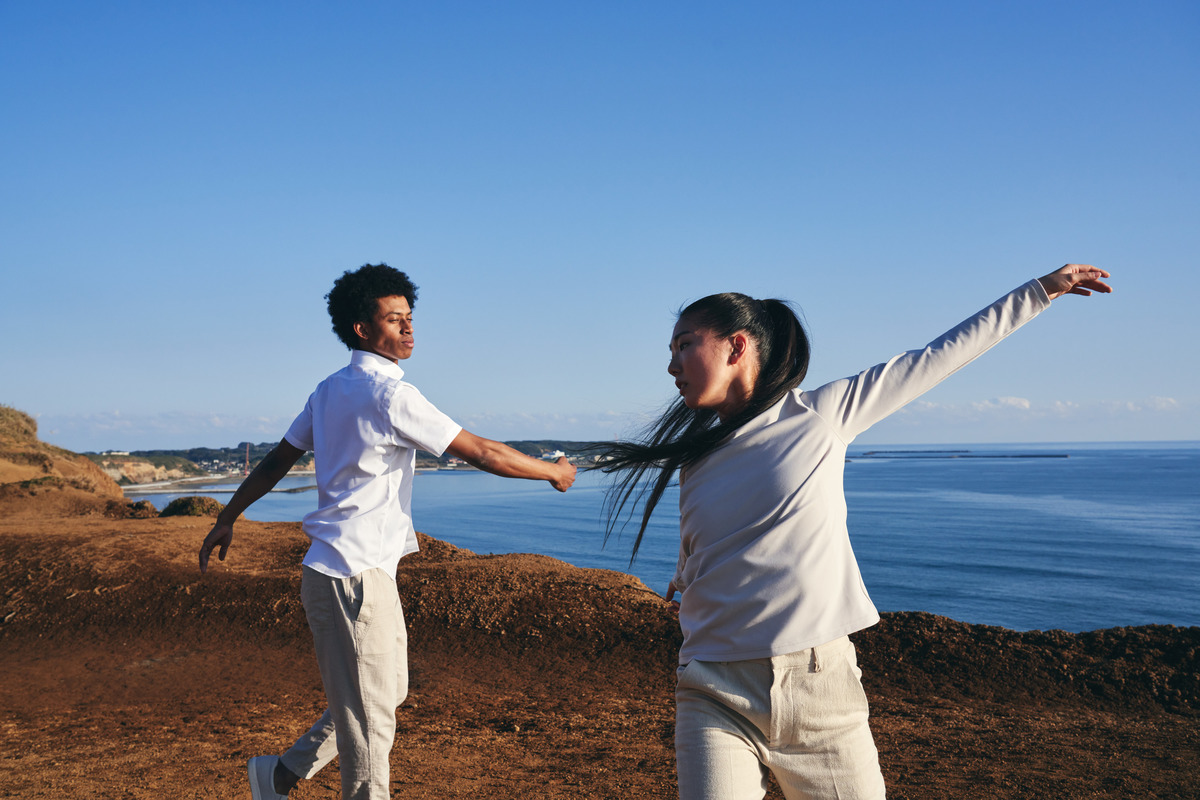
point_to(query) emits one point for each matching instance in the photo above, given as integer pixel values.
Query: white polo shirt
(364, 424)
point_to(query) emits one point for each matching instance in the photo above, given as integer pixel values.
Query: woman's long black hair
(643, 469)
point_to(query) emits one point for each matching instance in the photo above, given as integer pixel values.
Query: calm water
(1108, 536)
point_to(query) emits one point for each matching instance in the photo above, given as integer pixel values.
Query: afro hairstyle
(353, 297)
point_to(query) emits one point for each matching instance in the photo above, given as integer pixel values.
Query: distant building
(555, 456)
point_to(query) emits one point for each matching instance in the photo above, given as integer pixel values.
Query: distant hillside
(30, 468)
(530, 447)
(132, 469)
(148, 466)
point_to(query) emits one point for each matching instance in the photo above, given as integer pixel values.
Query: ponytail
(681, 436)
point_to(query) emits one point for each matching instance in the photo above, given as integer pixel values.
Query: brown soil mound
(192, 506)
(127, 674)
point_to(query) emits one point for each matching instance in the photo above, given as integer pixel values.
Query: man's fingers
(213, 541)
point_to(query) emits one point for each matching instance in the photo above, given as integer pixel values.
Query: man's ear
(361, 329)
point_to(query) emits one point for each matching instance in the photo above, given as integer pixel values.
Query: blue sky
(181, 183)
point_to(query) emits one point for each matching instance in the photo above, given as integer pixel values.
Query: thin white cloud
(116, 430)
(1018, 419)
(1002, 403)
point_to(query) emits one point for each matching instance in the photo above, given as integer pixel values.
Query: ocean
(1075, 537)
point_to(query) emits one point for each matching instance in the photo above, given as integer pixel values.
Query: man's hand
(221, 534)
(262, 480)
(567, 478)
(1075, 279)
(500, 459)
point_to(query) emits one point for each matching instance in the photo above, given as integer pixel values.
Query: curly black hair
(353, 297)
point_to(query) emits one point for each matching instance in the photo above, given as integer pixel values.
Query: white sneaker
(262, 778)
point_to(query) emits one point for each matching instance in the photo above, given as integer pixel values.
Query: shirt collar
(375, 363)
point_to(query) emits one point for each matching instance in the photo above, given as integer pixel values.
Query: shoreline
(161, 487)
(167, 487)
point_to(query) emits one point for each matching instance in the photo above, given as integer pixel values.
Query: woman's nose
(673, 366)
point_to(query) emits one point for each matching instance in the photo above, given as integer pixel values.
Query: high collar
(376, 363)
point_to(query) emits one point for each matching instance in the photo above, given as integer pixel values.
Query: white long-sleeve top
(765, 562)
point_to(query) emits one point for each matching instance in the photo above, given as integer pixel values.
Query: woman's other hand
(672, 603)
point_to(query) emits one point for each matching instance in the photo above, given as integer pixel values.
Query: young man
(364, 424)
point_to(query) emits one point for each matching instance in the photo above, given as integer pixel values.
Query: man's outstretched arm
(500, 459)
(260, 481)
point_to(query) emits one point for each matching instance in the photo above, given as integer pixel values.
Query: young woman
(769, 586)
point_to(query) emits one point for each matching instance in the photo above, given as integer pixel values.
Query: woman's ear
(740, 342)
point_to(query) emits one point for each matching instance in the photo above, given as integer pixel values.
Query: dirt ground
(127, 675)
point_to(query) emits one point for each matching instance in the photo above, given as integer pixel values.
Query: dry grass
(16, 426)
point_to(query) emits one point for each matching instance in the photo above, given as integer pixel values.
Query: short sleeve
(419, 423)
(300, 434)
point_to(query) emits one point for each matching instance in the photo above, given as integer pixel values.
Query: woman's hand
(1075, 279)
(672, 603)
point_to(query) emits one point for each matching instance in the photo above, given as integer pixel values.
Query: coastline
(234, 479)
(163, 487)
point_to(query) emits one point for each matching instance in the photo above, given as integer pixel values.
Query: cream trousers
(362, 649)
(801, 716)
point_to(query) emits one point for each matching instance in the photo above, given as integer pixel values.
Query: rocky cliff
(130, 470)
(61, 479)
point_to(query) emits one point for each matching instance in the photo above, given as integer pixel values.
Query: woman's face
(710, 372)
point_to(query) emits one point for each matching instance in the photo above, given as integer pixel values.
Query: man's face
(389, 333)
